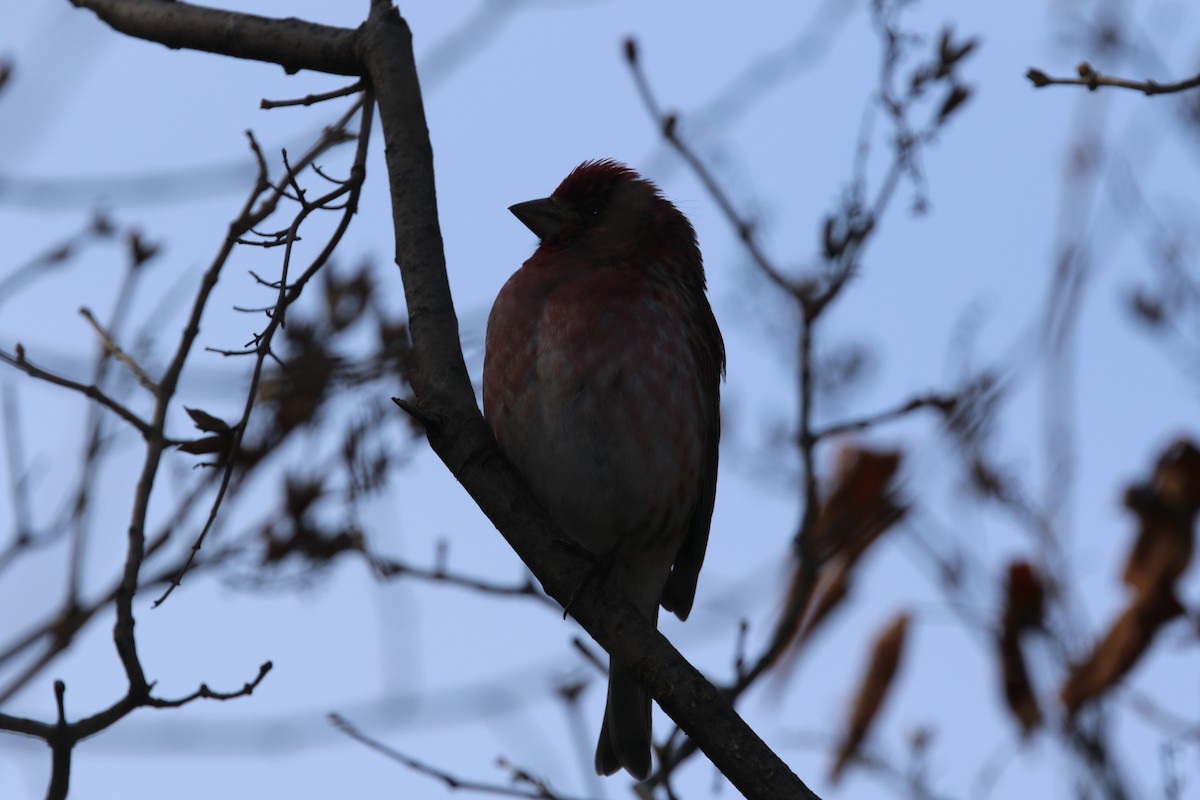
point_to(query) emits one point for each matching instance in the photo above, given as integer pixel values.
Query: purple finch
(601, 383)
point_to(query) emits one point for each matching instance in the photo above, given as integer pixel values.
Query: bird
(601, 382)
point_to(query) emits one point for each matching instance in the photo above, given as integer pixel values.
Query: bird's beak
(544, 217)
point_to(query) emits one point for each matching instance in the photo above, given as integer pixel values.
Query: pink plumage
(601, 382)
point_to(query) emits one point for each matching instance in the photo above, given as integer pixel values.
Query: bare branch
(1093, 80)
(116, 352)
(18, 484)
(89, 391)
(311, 99)
(668, 123)
(390, 568)
(97, 228)
(538, 790)
(208, 694)
(943, 404)
(288, 294)
(291, 43)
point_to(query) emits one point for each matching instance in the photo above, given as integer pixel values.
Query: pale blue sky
(457, 680)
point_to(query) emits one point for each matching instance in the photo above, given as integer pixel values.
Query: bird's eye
(592, 210)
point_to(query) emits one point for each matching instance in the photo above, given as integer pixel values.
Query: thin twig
(942, 403)
(388, 569)
(115, 350)
(61, 628)
(56, 257)
(208, 694)
(1093, 80)
(539, 790)
(21, 362)
(18, 475)
(95, 431)
(310, 99)
(62, 743)
(668, 124)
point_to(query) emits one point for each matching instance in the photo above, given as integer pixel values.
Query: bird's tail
(625, 732)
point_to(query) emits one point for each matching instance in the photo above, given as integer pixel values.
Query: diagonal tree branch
(461, 438)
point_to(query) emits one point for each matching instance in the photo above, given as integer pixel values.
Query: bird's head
(603, 211)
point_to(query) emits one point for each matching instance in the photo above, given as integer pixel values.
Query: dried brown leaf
(1116, 654)
(300, 494)
(1166, 507)
(958, 95)
(862, 505)
(804, 614)
(872, 691)
(1025, 599)
(1024, 604)
(207, 422)
(140, 250)
(1018, 691)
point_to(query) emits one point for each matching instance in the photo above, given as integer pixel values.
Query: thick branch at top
(291, 43)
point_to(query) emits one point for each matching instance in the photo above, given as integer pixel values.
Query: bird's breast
(595, 398)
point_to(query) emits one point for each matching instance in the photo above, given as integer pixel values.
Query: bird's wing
(680, 591)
